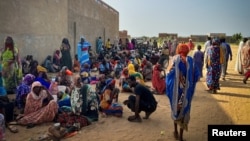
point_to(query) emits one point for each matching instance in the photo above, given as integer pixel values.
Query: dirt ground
(229, 106)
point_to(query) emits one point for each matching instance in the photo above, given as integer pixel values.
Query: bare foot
(125, 102)
(104, 115)
(176, 135)
(147, 114)
(134, 119)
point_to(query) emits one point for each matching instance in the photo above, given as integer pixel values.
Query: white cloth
(238, 66)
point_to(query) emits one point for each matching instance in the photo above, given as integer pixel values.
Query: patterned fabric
(180, 83)
(2, 88)
(84, 101)
(246, 56)
(109, 99)
(213, 67)
(68, 119)
(12, 72)
(34, 111)
(76, 101)
(23, 90)
(124, 75)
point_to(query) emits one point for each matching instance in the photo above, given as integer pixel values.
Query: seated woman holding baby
(40, 106)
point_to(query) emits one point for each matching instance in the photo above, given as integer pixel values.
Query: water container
(2, 128)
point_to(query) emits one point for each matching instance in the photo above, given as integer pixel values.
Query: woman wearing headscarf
(43, 77)
(65, 80)
(137, 75)
(123, 81)
(33, 68)
(85, 73)
(23, 90)
(48, 64)
(2, 88)
(246, 61)
(147, 71)
(76, 64)
(12, 72)
(66, 59)
(158, 79)
(213, 59)
(56, 60)
(84, 100)
(180, 86)
(109, 99)
(40, 106)
(238, 64)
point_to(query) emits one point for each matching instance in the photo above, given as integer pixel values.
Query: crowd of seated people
(68, 98)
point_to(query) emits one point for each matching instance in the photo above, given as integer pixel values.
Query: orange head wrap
(182, 49)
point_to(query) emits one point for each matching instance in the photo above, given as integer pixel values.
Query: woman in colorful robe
(56, 60)
(180, 82)
(23, 90)
(109, 100)
(84, 100)
(147, 71)
(123, 83)
(213, 59)
(43, 77)
(238, 63)
(158, 79)
(12, 72)
(246, 61)
(40, 106)
(131, 71)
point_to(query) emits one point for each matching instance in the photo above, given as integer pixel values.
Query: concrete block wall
(92, 19)
(38, 26)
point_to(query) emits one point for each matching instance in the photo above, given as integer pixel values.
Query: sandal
(12, 128)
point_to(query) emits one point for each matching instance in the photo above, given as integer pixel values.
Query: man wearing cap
(142, 101)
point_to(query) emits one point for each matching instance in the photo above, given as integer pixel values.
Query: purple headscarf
(23, 89)
(28, 79)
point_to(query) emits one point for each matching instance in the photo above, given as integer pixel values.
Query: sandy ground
(229, 106)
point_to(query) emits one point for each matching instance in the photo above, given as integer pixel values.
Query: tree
(237, 37)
